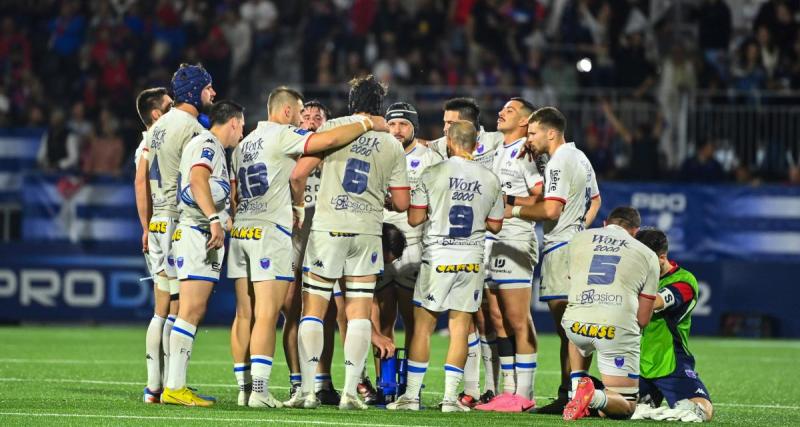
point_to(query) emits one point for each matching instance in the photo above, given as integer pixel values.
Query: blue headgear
(187, 84)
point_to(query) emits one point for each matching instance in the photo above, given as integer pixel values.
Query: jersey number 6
(356, 176)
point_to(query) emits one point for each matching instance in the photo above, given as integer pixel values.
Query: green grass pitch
(94, 376)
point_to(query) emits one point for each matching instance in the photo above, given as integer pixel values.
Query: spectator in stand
(703, 167)
(642, 142)
(78, 124)
(677, 80)
(714, 33)
(748, 73)
(60, 148)
(104, 152)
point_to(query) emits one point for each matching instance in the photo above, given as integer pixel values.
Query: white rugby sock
(261, 369)
(574, 377)
(505, 346)
(356, 347)
(153, 352)
(452, 378)
(309, 345)
(165, 346)
(472, 368)
(181, 342)
(322, 382)
(599, 400)
(416, 373)
(525, 367)
(242, 373)
(491, 363)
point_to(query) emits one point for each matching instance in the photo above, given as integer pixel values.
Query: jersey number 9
(461, 218)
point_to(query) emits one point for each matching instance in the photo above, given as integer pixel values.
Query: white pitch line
(112, 362)
(139, 417)
(429, 392)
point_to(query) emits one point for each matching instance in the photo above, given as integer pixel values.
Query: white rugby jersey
(417, 160)
(262, 165)
(484, 149)
(461, 196)
(206, 151)
(141, 149)
(608, 270)
(312, 189)
(517, 177)
(355, 179)
(166, 140)
(569, 178)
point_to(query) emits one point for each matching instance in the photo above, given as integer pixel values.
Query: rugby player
(345, 239)
(484, 347)
(199, 239)
(613, 283)
(462, 200)
(194, 93)
(151, 104)
(395, 288)
(261, 241)
(512, 256)
(571, 202)
(667, 364)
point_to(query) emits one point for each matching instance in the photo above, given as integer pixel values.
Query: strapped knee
(359, 289)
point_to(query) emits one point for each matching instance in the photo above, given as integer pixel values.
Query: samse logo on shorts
(457, 268)
(593, 331)
(158, 227)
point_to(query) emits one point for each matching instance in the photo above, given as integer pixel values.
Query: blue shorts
(682, 383)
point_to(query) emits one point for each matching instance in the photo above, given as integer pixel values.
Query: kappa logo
(700, 391)
(430, 298)
(265, 263)
(314, 359)
(318, 263)
(348, 363)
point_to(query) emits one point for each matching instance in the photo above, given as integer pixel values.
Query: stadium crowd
(72, 66)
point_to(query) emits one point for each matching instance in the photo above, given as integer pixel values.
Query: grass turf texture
(95, 376)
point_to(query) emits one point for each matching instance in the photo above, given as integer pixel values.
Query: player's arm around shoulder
(344, 134)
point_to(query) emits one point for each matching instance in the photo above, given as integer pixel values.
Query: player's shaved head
(549, 117)
(654, 239)
(282, 96)
(625, 217)
(463, 134)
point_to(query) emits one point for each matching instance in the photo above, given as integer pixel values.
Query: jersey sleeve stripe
(305, 146)
(399, 188)
(538, 183)
(203, 165)
(596, 196)
(556, 198)
(419, 206)
(494, 219)
(652, 297)
(685, 290)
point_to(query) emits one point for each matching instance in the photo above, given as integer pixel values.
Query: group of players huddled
(359, 209)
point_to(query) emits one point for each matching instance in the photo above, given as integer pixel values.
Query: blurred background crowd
(692, 90)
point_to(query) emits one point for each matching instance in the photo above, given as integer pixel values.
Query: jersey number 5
(461, 218)
(603, 269)
(253, 181)
(356, 176)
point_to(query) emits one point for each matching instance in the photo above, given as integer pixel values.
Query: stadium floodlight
(584, 65)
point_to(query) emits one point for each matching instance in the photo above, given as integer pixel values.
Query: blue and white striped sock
(525, 368)
(322, 382)
(261, 368)
(181, 341)
(242, 373)
(452, 378)
(416, 373)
